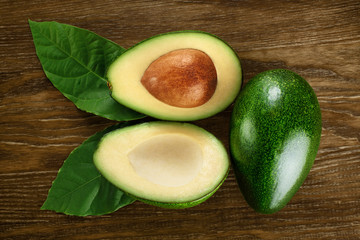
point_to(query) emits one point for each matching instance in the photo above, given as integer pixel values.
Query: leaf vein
(70, 55)
(80, 186)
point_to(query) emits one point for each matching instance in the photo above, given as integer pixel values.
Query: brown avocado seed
(182, 78)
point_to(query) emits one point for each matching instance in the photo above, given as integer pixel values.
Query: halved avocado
(181, 76)
(166, 164)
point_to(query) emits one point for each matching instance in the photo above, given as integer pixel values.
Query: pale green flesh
(126, 72)
(168, 160)
(163, 161)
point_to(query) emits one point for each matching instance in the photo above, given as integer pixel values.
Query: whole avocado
(274, 138)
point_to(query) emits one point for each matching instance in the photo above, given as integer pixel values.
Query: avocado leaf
(75, 60)
(79, 189)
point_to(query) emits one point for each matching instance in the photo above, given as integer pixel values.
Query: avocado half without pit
(181, 76)
(166, 164)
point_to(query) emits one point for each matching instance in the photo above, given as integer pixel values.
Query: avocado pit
(183, 78)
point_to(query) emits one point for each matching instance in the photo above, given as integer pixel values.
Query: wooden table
(39, 127)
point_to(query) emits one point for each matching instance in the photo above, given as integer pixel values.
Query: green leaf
(79, 189)
(76, 60)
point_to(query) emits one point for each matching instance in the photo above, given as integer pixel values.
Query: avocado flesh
(125, 75)
(162, 159)
(167, 164)
(274, 137)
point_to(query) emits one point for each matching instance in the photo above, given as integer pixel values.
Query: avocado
(166, 164)
(178, 76)
(274, 137)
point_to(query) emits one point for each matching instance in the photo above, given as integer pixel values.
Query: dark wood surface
(39, 127)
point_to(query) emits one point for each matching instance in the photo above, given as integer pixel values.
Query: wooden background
(39, 127)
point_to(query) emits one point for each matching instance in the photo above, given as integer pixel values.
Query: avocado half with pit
(166, 164)
(181, 76)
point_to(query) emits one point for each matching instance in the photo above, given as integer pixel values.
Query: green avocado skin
(274, 138)
(182, 205)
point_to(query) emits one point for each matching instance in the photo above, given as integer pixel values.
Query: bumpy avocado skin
(274, 137)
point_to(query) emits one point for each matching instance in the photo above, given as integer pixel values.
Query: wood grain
(320, 40)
